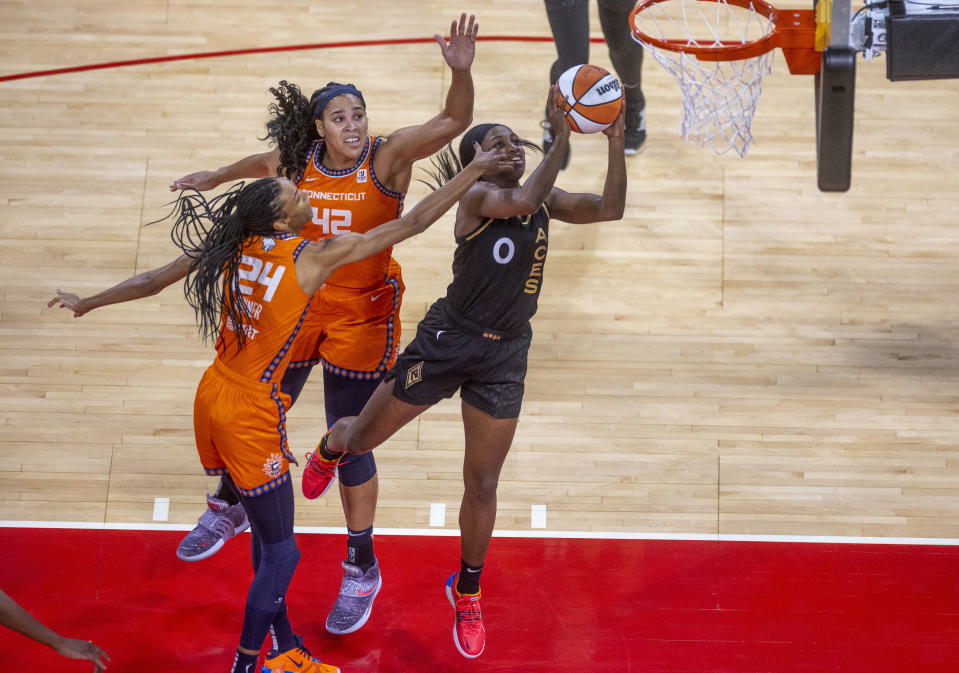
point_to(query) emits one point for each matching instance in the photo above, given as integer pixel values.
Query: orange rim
(794, 29)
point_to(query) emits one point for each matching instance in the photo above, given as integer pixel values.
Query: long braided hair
(292, 126)
(212, 234)
(446, 164)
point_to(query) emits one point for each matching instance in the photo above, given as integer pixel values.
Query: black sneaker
(548, 140)
(635, 133)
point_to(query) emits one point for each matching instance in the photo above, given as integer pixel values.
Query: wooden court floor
(740, 354)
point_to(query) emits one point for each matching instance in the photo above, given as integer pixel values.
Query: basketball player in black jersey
(477, 337)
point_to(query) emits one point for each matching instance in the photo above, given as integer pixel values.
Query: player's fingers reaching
(84, 649)
(555, 114)
(493, 161)
(67, 300)
(617, 128)
(467, 30)
(200, 181)
(461, 47)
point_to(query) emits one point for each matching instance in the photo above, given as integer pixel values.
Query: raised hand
(461, 48)
(494, 161)
(200, 181)
(618, 128)
(555, 114)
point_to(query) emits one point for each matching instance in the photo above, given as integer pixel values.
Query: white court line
(559, 534)
(437, 514)
(161, 509)
(537, 516)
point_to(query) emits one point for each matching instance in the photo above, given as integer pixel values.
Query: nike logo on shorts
(376, 296)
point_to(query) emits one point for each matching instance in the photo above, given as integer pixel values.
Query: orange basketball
(590, 97)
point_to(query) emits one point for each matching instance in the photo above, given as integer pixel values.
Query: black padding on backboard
(835, 102)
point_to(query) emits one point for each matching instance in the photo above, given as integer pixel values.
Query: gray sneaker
(219, 523)
(355, 602)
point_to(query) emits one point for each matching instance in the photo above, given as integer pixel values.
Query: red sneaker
(469, 636)
(319, 473)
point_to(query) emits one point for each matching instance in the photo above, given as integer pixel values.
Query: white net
(719, 97)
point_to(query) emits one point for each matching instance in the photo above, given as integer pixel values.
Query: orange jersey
(350, 200)
(276, 307)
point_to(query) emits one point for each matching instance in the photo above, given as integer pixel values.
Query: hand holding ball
(590, 97)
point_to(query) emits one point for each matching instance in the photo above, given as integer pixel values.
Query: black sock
(359, 548)
(244, 663)
(469, 577)
(325, 452)
(224, 490)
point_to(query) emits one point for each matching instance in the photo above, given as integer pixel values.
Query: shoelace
(318, 464)
(469, 614)
(301, 653)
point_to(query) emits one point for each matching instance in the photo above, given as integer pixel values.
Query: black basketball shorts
(488, 367)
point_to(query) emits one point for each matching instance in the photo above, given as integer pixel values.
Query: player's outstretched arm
(605, 207)
(412, 143)
(21, 621)
(320, 259)
(263, 165)
(142, 285)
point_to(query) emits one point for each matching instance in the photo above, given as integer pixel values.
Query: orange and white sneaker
(469, 635)
(319, 473)
(297, 660)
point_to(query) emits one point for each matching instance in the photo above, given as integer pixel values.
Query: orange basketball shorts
(352, 332)
(240, 428)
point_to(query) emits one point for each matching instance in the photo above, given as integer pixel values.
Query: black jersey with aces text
(498, 271)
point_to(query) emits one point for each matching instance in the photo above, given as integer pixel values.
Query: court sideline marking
(266, 50)
(557, 534)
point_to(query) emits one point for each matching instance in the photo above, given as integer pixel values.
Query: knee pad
(275, 572)
(356, 470)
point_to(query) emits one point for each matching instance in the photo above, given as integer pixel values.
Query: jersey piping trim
(387, 352)
(267, 375)
(299, 249)
(376, 181)
(479, 229)
(281, 424)
(341, 172)
(523, 220)
(268, 486)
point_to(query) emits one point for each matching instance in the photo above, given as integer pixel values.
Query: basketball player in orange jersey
(251, 280)
(476, 339)
(354, 182)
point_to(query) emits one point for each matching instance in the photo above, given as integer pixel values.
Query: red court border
(265, 50)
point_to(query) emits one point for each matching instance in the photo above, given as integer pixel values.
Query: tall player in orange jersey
(251, 280)
(354, 182)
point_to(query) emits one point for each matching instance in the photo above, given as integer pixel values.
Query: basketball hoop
(720, 55)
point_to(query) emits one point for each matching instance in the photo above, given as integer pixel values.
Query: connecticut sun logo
(273, 465)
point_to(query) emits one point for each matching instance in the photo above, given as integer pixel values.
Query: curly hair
(212, 234)
(291, 127)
